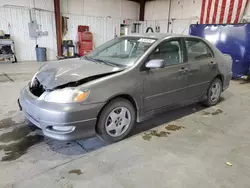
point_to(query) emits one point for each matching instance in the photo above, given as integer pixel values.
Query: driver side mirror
(155, 64)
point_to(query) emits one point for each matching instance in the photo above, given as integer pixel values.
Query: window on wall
(197, 50)
(169, 51)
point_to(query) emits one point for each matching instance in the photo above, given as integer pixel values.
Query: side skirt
(142, 116)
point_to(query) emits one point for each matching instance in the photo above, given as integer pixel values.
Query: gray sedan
(126, 80)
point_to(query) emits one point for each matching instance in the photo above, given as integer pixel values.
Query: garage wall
(103, 28)
(182, 14)
(102, 8)
(99, 8)
(15, 22)
(103, 17)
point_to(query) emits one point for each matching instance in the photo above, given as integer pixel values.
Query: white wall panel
(15, 21)
(130, 10)
(103, 28)
(247, 13)
(191, 8)
(157, 10)
(180, 9)
(182, 14)
(46, 20)
(101, 8)
(42, 4)
(177, 9)
(25, 3)
(73, 7)
(181, 26)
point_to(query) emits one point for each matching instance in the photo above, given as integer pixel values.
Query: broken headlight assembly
(33, 79)
(67, 95)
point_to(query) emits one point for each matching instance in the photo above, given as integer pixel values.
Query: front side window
(197, 50)
(121, 51)
(169, 51)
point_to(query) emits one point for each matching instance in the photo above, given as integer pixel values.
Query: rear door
(202, 66)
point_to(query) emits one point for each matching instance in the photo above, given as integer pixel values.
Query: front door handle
(183, 70)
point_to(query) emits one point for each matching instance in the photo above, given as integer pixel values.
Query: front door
(201, 65)
(165, 86)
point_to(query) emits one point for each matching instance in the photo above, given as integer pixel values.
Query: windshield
(121, 51)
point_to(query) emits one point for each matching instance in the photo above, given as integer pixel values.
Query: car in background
(126, 80)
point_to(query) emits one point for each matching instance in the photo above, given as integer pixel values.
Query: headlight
(33, 79)
(67, 95)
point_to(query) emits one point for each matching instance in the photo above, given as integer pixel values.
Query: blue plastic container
(231, 39)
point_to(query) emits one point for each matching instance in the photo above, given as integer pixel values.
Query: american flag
(222, 11)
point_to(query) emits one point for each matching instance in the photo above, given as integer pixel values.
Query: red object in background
(85, 39)
(82, 28)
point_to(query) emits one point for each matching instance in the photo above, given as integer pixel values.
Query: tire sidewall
(101, 130)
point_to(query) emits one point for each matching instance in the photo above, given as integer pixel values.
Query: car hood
(54, 74)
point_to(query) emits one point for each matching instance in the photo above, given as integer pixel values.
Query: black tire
(209, 102)
(116, 103)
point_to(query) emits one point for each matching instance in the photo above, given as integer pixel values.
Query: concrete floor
(188, 147)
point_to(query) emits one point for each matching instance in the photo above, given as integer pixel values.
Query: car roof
(159, 35)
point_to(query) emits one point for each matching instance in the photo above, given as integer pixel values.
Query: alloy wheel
(118, 121)
(215, 91)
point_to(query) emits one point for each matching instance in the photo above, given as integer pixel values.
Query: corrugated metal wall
(46, 21)
(103, 28)
(177, 26)
(15, 21)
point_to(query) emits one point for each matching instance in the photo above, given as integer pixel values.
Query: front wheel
(116, 120)
(213, 93)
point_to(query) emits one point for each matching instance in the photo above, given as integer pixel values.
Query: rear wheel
(116, 120)
(213, 93)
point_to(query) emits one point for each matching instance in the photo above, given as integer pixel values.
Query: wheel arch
(123, 96)
(221, 77)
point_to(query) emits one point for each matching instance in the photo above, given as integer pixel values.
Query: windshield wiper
(90, 58)
(105, 62)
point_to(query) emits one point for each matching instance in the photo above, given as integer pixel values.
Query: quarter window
(197, 50)
(169, 51)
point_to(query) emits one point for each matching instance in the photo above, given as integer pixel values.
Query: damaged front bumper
(60, 121)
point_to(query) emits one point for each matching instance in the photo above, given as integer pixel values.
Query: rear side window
(197, 50)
